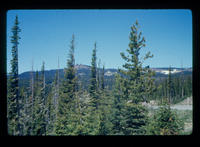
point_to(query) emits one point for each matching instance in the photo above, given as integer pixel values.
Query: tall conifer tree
(93, 79)
(55, 97)
(170, 86)
(66, 104)
(118, 106)
(13, 85)
(43, 96)
(102, 78)
(39, 105)
(137, 83)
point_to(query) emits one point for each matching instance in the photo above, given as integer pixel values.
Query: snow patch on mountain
(167, 71)
(109, 73)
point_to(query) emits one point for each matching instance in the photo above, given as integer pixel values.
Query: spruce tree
(39, 106)
(98, 76)
(93, 79)
(118, 107)
(27, 117)
(55, 98)
(29, 106)
(105, 117)
(25, 112)
(137, 84)
(165, 121)
(13, 85)
(92, 118)
(49, 115)
(102, 79)
(66, 105)
(105, 108)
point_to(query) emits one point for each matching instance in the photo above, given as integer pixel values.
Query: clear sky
(46, 34)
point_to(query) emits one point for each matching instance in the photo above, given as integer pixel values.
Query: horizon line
(101, 68)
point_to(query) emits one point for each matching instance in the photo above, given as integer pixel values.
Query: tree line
(64, 107)
(176, 88)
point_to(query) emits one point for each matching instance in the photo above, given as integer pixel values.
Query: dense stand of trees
(64, 107)
(176, 88)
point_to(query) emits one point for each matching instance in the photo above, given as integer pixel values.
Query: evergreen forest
(66, 107)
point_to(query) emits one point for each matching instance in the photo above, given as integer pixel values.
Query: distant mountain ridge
(83, 73)
(85, 70)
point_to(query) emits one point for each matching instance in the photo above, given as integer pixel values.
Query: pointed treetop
(43, 66)
(16, 18)
(58, 63)
(95, 45)
(136, 22)
(16, 23)
(32, 64)
(73, 36)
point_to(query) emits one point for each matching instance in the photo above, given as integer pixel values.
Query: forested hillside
(182, 79)
(93, 100)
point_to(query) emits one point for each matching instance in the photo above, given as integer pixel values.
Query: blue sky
(46, 34)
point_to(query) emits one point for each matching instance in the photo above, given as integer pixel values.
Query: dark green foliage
(66, 105)
(139, 79)
(118, 106)
(106, 112)
(102, 79)
(38, 104)
(136, 85)
(26, 113)
(93, 79)
(94, 104)
(92, 123)
(13, 85)
(165, 122)
(53, 105)
(135, 119)
(22, 95)
(98, 75)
